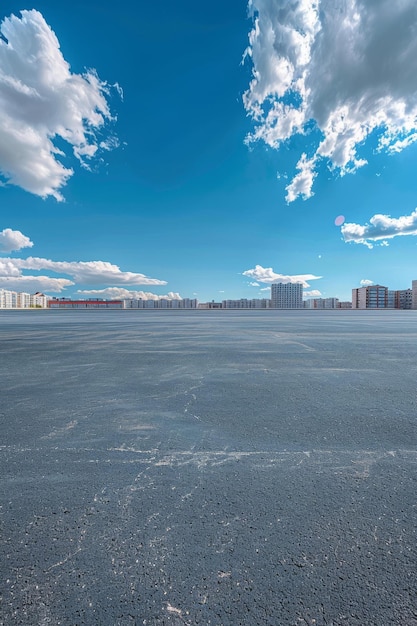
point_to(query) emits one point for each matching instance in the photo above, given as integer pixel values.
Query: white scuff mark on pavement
(173, 609)
(67, 558)
(57, 432)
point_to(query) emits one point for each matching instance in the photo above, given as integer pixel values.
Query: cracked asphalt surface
(208, 467)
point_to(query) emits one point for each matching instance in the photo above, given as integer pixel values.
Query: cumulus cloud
(40, 100)
(84, 272)
(81, 272)
(380, 228)
(32, 284)
(302, 183)
(267, 275)
(119, 293)
(342, 68)
(13, 240)
(365, 282)
(314, 293)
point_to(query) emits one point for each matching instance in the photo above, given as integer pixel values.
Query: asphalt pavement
(208, 468)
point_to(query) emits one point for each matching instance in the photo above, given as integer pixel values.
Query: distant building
(287, 296)
(404, 299)
(161, 303)
(344, 305)
(244, 303)
(391, 299)
(321, 303)
(8, 299)
(66, 303)
(210, 305)
(414, 294)
(370, 297)
(22, 300)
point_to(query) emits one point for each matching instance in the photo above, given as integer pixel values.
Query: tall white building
(287, 296)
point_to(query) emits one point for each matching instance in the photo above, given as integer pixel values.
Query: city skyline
(282, 296)
(156, 151)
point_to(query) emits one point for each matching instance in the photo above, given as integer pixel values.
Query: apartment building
(370, 297)
(67, 303)
(22, 300)
(414, 294)
(162, 303)
(287, 296)
(321, 303)
(244, 303)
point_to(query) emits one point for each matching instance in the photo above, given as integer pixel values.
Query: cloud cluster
(365, 282)
(13, 274)
(314, 293)
(32, 284)
(344, 68)
(40, 100)
(118, 293)
(267, 275)
(13, 240)
(380, 228)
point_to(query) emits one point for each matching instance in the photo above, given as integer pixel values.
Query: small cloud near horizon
(118, 293)
(14, 278)
(267, 275)
(13, 240)
(314, 293)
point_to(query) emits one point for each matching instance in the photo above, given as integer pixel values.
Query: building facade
(287, 296)
(321, 303)
(22, 300)
(414, 294)
(161, 303)
(370, 297)
(244, 303)
(67, 303)
(404, 299)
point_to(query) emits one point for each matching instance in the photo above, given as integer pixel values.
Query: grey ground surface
(208, 468)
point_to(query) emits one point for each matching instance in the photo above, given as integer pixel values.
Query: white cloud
(365, 282)
(81, 272)
(118, 293)
(41, 99)
(380, 228)
(267, 275)
(314, 293)
(302, 183)
(31, 284)
(345, 67)
(84, 272)
(254, 284)
(13, 240)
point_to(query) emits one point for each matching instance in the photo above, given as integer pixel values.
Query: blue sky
(180, 169)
